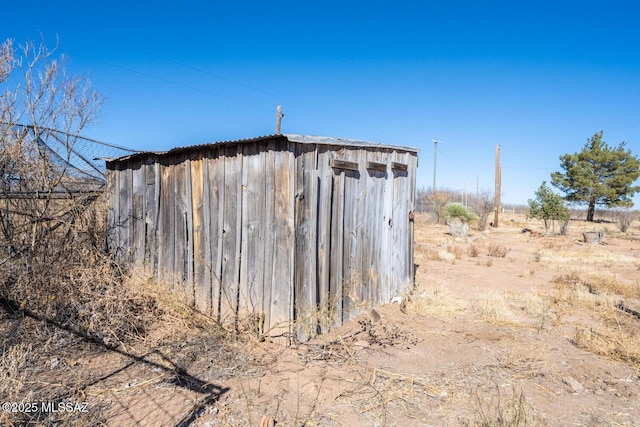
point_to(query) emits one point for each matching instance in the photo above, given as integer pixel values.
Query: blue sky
(538, 78)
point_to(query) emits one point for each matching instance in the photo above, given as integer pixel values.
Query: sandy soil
(493, 334)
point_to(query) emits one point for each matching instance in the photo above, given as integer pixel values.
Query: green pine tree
(548, 206)
(598, 175)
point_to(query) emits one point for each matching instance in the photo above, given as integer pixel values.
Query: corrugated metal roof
(303, 139)
(345, 142)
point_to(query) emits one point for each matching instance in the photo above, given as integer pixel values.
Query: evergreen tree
(598, 175)
(548, 206)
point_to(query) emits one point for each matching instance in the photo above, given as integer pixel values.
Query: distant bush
(497, 251)
(483, 205)
(457, 211)
(624, 218)
(435, 201)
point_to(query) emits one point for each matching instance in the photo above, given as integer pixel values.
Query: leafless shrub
(483, 205)
(473, 251)
(495, 409)
(624, 218)
(52, 264)
(436, 201)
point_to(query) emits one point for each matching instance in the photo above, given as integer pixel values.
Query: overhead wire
(235, 82)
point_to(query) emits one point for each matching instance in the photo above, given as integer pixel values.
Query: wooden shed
(299, 232)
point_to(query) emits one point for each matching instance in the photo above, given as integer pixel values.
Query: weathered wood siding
(299, 236)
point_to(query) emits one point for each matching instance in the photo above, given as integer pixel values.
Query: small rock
(574, 385)
(375, 316)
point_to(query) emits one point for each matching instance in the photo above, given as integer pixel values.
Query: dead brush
(494, 409)
(497, 251)
(381, 394)
(66, 279)
(473, 251)
(611, 342)
(599, 284)
(372, 332)
(455, 250)
(13, 361)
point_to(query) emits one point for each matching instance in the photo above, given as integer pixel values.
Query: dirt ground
(503, 328)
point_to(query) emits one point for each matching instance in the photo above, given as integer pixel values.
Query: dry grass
(614, 334)
(435, 302)
(568, 258)
(494, 307)
(601, 286)
(13, 362)
(495, 409)
(614, 343)
(385, 396)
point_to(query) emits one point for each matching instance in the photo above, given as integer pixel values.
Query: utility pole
(498, 187)
(279, 117)
(435, 161)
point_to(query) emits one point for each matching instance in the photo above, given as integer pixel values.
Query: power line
(232, 81)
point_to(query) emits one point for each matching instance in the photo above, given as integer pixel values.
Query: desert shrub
(483, 205)
(52, 224)
(69, 281)
(455, 250)
(497, 251)
(458, 218)
(473, 251)
(458, 211)
(624, 218)
(436, 202)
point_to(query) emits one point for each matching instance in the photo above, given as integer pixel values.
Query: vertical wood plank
(188, 204)
(376, 227)
(269, 157)
(202, 290)
(324, 208)
(368, 235)
(336, 249)
(386, 248)
(206, 290)
(231, 234)
(113, 230)
(216, 204)
(413, 159)
(138, 183)
(400, 264)
(281, 290)
(150, 214)
(180, 219)
(252, 259)
(305, 264)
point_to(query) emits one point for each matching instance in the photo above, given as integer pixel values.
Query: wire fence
(81, 157)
